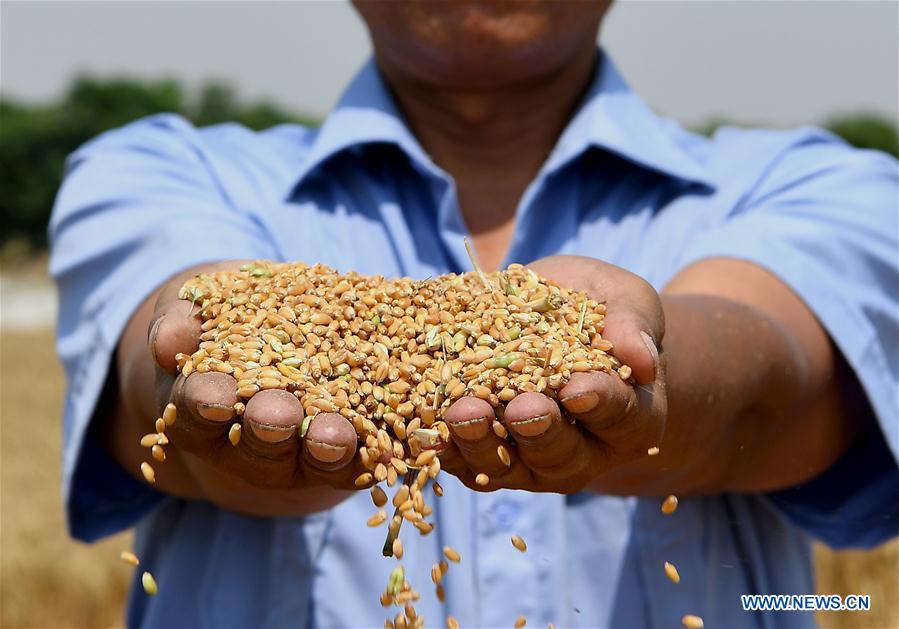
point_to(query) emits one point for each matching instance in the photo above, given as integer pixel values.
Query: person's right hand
(272, 470)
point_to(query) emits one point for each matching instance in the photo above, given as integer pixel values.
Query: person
(750, 280)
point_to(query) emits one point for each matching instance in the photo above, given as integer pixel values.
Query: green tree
(35, 139)
(867, 131)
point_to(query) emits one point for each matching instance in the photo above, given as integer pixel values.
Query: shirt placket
(512, 582)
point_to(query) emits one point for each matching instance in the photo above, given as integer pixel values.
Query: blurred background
(70, 70)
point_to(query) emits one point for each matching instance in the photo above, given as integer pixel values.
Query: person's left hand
(603, 422)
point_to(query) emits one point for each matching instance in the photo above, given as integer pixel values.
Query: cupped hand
(600, 422)
(271, 453)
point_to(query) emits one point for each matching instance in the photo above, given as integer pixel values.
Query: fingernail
(325, 452)
(215, 412)
(151, 337)
(533, 427)
(475, 428)
(651, 346)
(271, 433)
(581, 402)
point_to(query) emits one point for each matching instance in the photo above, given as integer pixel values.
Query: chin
(472, 42)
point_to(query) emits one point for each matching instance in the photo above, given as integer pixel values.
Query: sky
(773, 63)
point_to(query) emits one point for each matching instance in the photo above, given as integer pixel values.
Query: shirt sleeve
(137, 206)
(823, 218)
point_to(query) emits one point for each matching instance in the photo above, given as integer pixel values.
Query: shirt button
(505, 513)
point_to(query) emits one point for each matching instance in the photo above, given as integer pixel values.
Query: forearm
(746, 412)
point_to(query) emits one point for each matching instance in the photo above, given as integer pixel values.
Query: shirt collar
(365, 114)
(611, 117)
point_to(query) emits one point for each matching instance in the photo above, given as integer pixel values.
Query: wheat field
(47, 580)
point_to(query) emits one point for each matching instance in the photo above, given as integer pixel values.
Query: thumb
(635, 343)
(174, 329)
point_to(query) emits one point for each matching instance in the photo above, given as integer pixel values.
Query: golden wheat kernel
(157, 453)
(520, 622)
(451, 623)
(401, 495)
(669, 506)
(149, 584)
(160, 425)
(519, 543)
(500, 430)
(624, 372)
(503, 455)
(425, 457)
(452, 554)
(248, 391)
(482, 479)
(377, 519)
(434, 469)
(392, 476)
(438, 488)
(147, 471)
(692, 622)
(653, 451)
(378, 497)
(423, 527)
(363, 479)
(129, 558)
(398, 548)
(234, 434)
(671, 572)
(169, 414)
(149, 440)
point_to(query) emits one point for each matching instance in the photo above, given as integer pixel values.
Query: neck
(493, 140)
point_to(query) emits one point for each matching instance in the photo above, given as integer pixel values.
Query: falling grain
(692, 622)
(130, 558)
(452, 554)
(378, 497)
(169, 414)
(519, 543)
(149, 583)
(669, 506)
(234, 434)
(671, 572)
(147, 470)
(503, 455)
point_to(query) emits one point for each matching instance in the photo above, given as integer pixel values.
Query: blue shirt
(622, 184)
